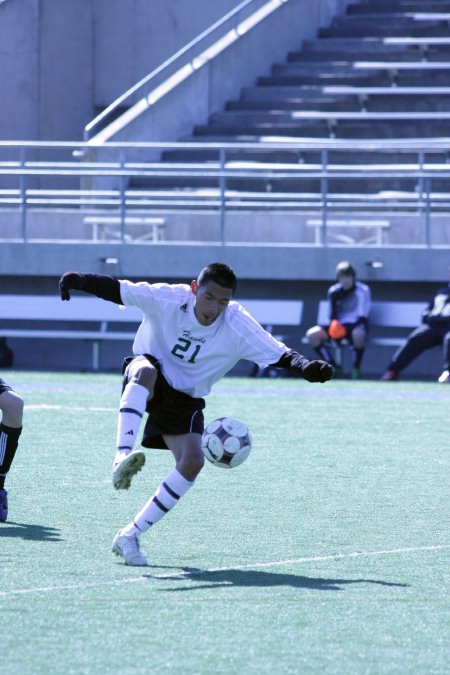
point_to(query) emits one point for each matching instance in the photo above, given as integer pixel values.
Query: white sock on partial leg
(165, 498)
(131, 410)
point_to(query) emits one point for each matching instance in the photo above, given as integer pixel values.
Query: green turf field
(326, 552)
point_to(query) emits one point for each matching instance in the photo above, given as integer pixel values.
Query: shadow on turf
(230, 578)
(30, 532)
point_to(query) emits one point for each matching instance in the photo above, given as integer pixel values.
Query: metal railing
(192, 56)
(238, 178)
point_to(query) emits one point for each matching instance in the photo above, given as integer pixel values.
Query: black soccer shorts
(169, 411)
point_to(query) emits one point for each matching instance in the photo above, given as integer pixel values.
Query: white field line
(199, 572)
(48, 406)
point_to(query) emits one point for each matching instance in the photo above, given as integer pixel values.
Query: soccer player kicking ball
(189, 338)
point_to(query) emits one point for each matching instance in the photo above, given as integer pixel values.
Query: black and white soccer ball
(226, 442)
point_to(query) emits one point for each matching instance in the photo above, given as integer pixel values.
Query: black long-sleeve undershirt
(101, 285)
(292, 361)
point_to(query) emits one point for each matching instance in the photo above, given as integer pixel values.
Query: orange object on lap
(336, 330)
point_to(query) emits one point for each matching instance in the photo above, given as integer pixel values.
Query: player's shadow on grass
(257, 578)
(30, 532)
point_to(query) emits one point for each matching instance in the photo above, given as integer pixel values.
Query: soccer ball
(226, 442)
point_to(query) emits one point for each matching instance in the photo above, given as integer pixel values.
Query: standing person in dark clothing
(434, 331)
(349, 306)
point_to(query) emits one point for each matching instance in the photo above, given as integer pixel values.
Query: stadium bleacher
(377, 74)
(381, 71)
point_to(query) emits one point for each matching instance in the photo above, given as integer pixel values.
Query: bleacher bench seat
(108, 227)
(378, 227)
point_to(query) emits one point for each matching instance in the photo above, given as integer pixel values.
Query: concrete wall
(132, 37)
(46, 70)
(19, 70)
(209, 88)
(62, 60)
(264, 262)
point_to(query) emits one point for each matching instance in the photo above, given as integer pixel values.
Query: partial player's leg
(422, 338)
(11, 406)
(320, 341)
(138, 386)
(189, 458)
(184, 417)
(445, 376)
(358, 339)
(175, 422)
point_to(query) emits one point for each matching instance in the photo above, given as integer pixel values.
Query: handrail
(29, 184)
(193, 63)
(266, 143)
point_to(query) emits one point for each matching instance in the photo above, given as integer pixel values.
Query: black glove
(70, 280)
(317, 371)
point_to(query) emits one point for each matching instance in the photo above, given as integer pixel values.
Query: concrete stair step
(277, 117)
(400, 6)
(374, 29)
(344, 129)
(238, 131)
(390, 53)
(407, 78)
(411, 103)
(347, 67)
(348, 103)
(351, 44)
(255, 119)
(399, 3)
(360, 78)
(281, 93)
(359, 157)
(317, 67)
(392, 129)
(265, 99)
(281, 185)
(398, 18)
(336, 92)
(210, 156)
(292, 156)
(167, 182)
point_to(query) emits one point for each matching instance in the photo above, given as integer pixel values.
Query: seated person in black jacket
(434, 331)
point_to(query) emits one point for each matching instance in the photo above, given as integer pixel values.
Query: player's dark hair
(220, 273)
(344, 267)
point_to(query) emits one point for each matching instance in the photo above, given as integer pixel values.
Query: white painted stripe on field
(199, 572)
(42, 406)
(48, 406)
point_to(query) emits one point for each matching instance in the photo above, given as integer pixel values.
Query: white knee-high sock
(165, 498)
(131, 410)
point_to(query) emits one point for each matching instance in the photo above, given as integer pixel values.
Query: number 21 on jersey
(183, 350)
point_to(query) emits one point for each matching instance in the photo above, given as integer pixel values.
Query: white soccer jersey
(193, 357)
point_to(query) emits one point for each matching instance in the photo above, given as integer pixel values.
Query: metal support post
(222, 189)
(324, 191)
(23, 194)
